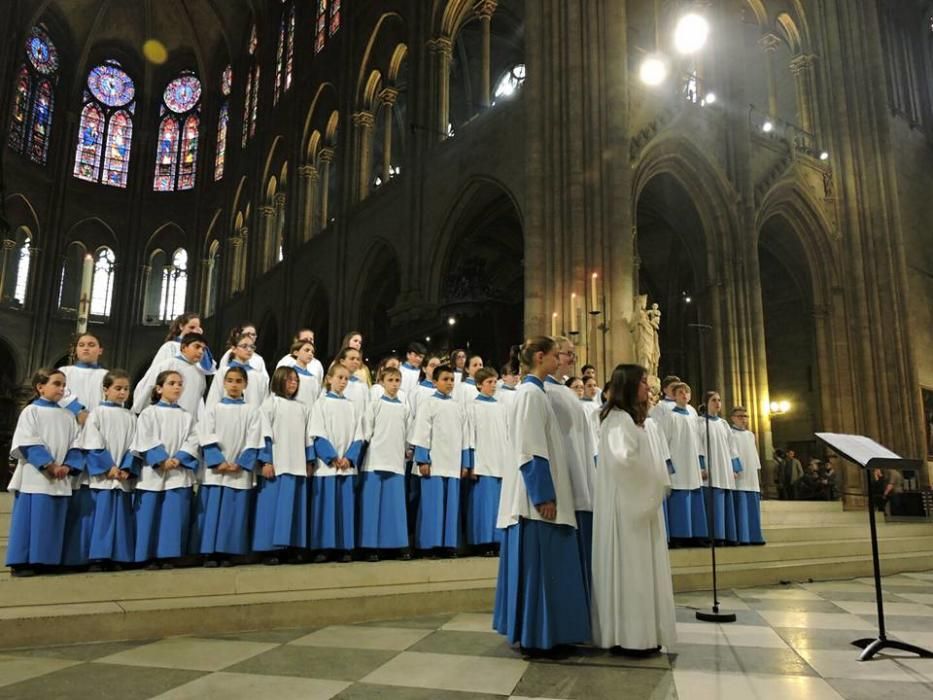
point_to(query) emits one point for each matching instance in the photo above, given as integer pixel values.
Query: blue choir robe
(194, 383)
(257, 384)
(722, 464)
(84, 388)
(491, 450)
(748, 488)
(686, 509)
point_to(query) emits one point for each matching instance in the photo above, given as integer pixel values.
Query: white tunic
(441, 426)
(747, 449)
(535, 432)
(410, 378)
(591, 411)
(256, 364)
(111, 428)
(84, 384)
(335, 419)
(384, 426)
(257, 387)
(505, 395)
(632, 598)
(286, 423)
(357, 392)
(192, 396)
(466, 391)
(314, 367)
(309, 387)
(685, 450)
(422, 390)
(577, 438)
(659, 446)
(174, 429)
(55, 429)
(489, 436)
(172, 348)
(721, 452)
(232, 427)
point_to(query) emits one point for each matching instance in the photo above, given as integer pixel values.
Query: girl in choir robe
(305, 335)
(541, 598)
(241, 355)
(440, 437)
(83, 379)
(507, 386)
(579, 449)
(45, 451)
(255, 360)
(183, 325)
(491, 450)
(466, 390)
(686, 508)
(411, 367)
(186, 364)
(424, 387)
(281, 518)
(106, 440)
(747, 482)
(383, 519)
(354, 339)
(309, 388)
(633, 597)
(166, 441)
(720, 463)
(357, 391)
(231, 436)
(334, 424)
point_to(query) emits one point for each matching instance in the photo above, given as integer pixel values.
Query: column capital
(279, 200)
(308, 171)
(484, 9)
(326, 155)
(8, 244)
(770, 42)
(443, 45)
(388, 96)
(364, 119)
(802, 62)
(267, 210)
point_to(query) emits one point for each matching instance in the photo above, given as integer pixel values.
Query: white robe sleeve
(424, 420)
(625, 453)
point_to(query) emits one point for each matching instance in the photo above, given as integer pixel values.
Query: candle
(84, 303)
(554, 324)
(593, 292)
(573, 312)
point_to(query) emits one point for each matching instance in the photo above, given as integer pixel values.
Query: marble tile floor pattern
(789, 643)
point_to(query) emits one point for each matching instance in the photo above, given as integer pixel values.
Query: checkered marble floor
(789, 642)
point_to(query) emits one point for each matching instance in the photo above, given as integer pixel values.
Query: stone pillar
(267, 233)
(484, 10)
(207, 276)
(442, 49)
(241, 259)
(309, 178)
(769, 43)
(146, 275)
(363, 123)
(326, 157)
(279, 227)
(236, 252)
(388, 97)
(8, 246)
(802, 67)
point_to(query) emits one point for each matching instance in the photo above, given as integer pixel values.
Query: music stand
(868, 455)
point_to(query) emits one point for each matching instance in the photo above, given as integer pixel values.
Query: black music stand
(868, 455)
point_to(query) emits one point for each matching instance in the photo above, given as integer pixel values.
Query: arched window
(102, 282)
(223, 121)
(34, 98)
(334, 24)
(285, 53)
(320, 27)
(174, 286)
(22, 270)
(251, 101)
(105, 133)
(14, 273)
(510, 83)
(177, 146)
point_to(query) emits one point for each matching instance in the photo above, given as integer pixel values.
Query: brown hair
(238, 370)
(297, 345)
(113, 375)
(483, 374)
(154, 396)
(532, 346)
(236, 333)
(73, 350)
(279, 378)
(622, 393)
(389, 372)
(174, 330)
(42, 376)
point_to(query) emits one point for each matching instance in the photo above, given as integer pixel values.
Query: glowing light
(710, 98)
(824, 155)
(691, 33)
(768, 126)
(155, 51)
(427, 339)
(451, 321)
(653, 70)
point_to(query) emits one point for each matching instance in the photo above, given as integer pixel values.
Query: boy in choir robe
(686, 509)
(440, 438)
(378, 390)
(44, 448)
(309, 386)
(591, 404)
(491, 450)
(541, 597)
(231, 436)
(383, 429)
(720, 465)
(242, 355)
(747, 483)
(304, 335)
(423, 390)
(183, 325)
(507, 385)
(106, 439)
(187, 364)
(166, 443)
(334, 428)
(83, 379)
(633, 597)
(411, 367)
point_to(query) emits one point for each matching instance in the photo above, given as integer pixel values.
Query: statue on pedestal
(646, 324)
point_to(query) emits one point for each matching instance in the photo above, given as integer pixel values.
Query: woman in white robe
(632, 599)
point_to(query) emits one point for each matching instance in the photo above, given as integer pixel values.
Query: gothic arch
(387, 34)
(376, 292)
(20, 212)
(92, 232)
(325, 97)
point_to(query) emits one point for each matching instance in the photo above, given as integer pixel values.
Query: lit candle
(554, 323)
(84, 303)
(593, 292)
(573, 312)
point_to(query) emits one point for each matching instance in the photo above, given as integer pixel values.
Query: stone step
(834, 533)
(769, 505)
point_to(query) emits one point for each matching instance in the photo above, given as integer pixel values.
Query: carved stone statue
(654, 362)
(642, 332)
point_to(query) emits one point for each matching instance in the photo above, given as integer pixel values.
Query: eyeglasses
(568, 354)
(246, 347)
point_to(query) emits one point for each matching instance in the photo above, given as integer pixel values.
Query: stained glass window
(174, 286)
(279, 61)
(320, 31)
(34, 98)
(102, 282)
(254, 104)
(511, 82)
(105, 132)
(177, 144)
(246, 102)
(22, 271)
(253, 41)
(223, 120)
(251, 98)
(334, 17)
(290, 47)
(226, 81)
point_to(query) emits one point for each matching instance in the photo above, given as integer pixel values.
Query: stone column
(309, 177)
(279, 227)
(802, 67)
(484, 10)
(388, 97)
(326, 157)
(267, 235)
(8, 246)
(236, 252)
(146, 275)
(769, 43)
(442, 49)
(363, 123)
(207, 276)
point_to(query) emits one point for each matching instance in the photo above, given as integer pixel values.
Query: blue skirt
(163, 522)
(540, 595)
(37, 529)
(222, 521)
(748, 517)
(79, 523)
(281, 513)
(723, 512)
(483, 509)
(438, 513)
(686, 514)
(333, 512)
(585, 540)
(113, 533)
(382, 517)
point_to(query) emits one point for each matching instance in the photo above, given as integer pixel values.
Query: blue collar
(483, 397)
(166, 404)
(439, 395)
(334, 395)
(112, 404)
(184, 359)
(531, 379)
(507, 387)
(236, 363)
(354, 378)
(711, 417)
(407, 365)
(470, 380)
(426, 383)
(87, 365)
(44, 403)
(668, 400)
(550, 380)
(228, 400)
(301, 370)
(387, 399)
(681, 411)
(737, 429)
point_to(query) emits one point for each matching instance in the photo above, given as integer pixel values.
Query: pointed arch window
(174, 286)
(16, 256)
(334, 23)
(320, 27)
(102, 282)
(251, 100)
(34, 98)
(285, 53)
(105, 132)
(177, 145)
(223, 122)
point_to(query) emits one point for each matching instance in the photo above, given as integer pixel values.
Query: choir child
(466, 390)
(440, 438)
(231, 436)
(425, 386)
(280, 524)
(507, 385)
(354, 339)
(591, 405)
(686, 509)
(458, 360)
(377, 390)
(256, 362)
(185, 324)
(334, 423)
(491, 450)
(575, 384)
(587, 372)
(383, 520)
(633, 597)
(166, 442)
(107, 437)
(748, 490)
(241, 354)
(591, 392)
(411, 367)
(661, 412)
(357, 391)
(720, 463)
(541, 598)
(305, 335)
(187, 364)
(309, 387)
(83, 390)
(44, 448)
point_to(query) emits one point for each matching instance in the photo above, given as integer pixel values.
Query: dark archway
(379, 293)
(268, 343)
(316, 316)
